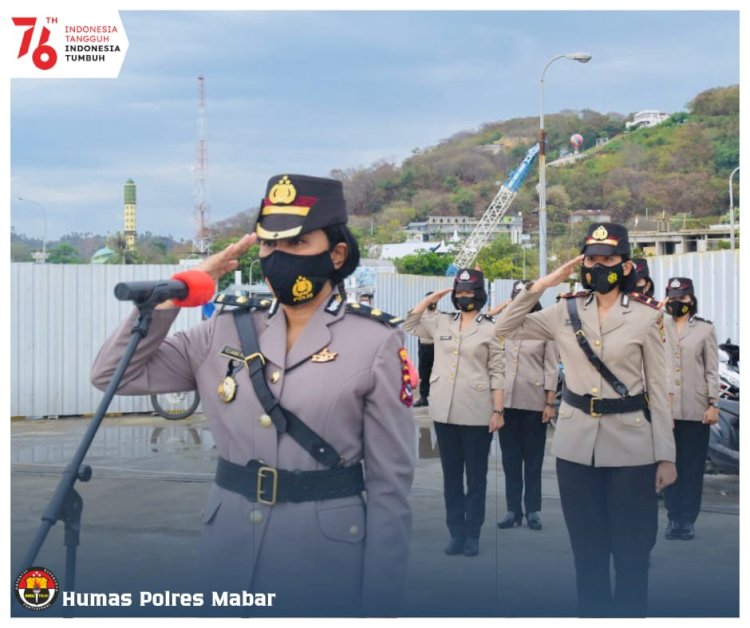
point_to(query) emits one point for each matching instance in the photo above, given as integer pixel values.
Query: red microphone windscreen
(201, 287)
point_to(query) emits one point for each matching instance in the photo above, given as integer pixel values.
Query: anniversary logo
(86, 45)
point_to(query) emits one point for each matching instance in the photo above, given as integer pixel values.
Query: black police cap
(680, 286)
(295, 204)
(606, 238)
(641, 268)
(468, 279)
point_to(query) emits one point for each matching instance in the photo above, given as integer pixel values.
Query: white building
(648, 117)
(461, 226)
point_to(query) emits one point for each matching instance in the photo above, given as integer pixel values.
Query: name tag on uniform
(232, 353)
(445, 337)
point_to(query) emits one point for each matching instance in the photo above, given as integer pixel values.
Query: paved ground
(142, 508)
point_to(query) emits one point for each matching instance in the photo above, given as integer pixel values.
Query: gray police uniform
(344, 378)
(606, 461)
(531, 369)
(468, 366)
(694, 379)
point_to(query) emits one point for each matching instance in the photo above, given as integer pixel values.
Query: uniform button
(597, 343)
(453, 377)
(455, 353)
(677, 382)
(354, 530)
(594, 390)
(453, 365)
(275, 377)
(637, 419)
(265, 420)
(677, 370)
(539, 383)
(256, 517)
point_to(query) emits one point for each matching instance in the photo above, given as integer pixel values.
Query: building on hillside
(440, 227)
(401, 249)
(589, 215)
(646, 118)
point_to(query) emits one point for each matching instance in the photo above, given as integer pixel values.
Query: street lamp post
(731, 208)
(44, 235)
(581, 57)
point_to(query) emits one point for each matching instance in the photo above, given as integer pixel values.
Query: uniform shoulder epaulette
(231, 300)
(642, 298)
(373, 314)
(574, 295)
(485, 317)
(703, 320)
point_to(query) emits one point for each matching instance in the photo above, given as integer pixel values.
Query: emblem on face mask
(283, 192)
(302, 289)
(324, 356)
(600, 233)
(612, 278)
(675, 283)
(685, 309)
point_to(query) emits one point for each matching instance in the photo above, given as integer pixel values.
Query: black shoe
(471, 546)
(456, 546)
(511, 520)
(422, 403)
(673, 530)
(687, 531)
(534, 520)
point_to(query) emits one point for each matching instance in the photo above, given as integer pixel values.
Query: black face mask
(296, 279)
(601, 278)
(678, 308)
(466, 304)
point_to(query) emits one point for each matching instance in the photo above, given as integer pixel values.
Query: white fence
(61, 314)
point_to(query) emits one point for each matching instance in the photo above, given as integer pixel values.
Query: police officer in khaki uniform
(614, 446)
(643, 282)
(286, 512)
(465, 402)
(426, 357)
(696, 383)
(531, 368)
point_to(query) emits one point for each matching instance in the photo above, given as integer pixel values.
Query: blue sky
(313, 91)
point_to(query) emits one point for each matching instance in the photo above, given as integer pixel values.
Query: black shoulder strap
(283, 419)
(575, 320)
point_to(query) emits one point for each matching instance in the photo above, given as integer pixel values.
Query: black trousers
(426, 356)
(464, 448)
(683, 498)
(522, 440)
(610, 511)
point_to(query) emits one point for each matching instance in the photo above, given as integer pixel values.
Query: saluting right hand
(557, 276)
(430, 299)
(225, 261)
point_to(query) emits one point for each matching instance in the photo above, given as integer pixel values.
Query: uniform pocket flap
(480, 384)
(343, 523)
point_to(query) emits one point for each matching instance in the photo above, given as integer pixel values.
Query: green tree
(64, 254)
(502, 259)
(423, 263)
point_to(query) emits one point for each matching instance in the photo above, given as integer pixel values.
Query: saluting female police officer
(614, 446)
(286, 512)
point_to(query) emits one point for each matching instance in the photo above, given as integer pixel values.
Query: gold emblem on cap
(324, 356)
(600, 233)
(302, 289)
(283, 192)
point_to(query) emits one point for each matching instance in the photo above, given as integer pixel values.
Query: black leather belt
(596, 406)
(266, 485)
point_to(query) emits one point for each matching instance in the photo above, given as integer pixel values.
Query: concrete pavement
(151, 476)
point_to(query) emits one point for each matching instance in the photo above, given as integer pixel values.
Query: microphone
(188, 288)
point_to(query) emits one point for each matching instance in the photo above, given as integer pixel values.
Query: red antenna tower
(202, 241)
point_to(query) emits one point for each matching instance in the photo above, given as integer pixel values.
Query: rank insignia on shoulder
(242, 300)
(574, 295)
(702, 320)
(646, 300)
(335, 303)
(373, 314)
(324, 356)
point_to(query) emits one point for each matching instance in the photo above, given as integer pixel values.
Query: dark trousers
(610, 511)
(522, 440)
(683, 498)
(426, 356)
(464, 448)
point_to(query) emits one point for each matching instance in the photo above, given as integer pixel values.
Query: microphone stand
(66, 503)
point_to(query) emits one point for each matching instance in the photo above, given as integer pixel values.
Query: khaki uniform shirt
(695, 375)
(630, 341)
(332, 551)
(531, 368)
(468, 366)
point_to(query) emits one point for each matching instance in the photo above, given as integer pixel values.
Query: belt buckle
(252, 356)
(591, 406)
(262, 473)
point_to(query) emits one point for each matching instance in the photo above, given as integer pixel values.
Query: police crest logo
(302, 289)
(600, 233)
(228, 389)
(283, 192)
(675, 283)
(36, 588)
(612, 278)
(324, 356)
(465, 276)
